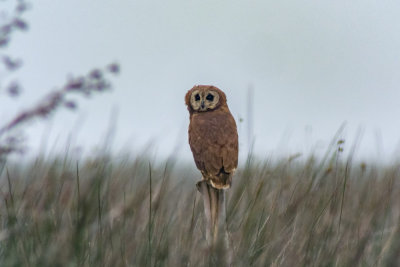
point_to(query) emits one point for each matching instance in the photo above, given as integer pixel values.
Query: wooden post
(215, 216)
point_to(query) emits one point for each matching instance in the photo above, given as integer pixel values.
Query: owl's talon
(198, 185)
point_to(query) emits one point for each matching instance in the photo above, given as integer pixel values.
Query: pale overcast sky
(313, 65)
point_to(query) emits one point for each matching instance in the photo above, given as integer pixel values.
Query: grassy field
(132, 212)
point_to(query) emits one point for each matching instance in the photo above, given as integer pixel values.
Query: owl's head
(203, 98)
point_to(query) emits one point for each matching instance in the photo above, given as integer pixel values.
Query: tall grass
(127, 212)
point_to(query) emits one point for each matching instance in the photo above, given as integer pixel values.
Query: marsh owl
(213, 135)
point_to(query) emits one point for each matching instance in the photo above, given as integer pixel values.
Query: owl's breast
(213, 140)
(211, 126)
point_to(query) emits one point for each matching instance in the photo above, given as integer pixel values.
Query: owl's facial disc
(204, 100)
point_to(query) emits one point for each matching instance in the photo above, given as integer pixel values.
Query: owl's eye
(197, 97)
(210, 97)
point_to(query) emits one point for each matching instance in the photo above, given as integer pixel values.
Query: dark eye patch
(210, 97)
(197, 97)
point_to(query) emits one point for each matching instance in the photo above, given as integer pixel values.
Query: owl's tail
(218, 185)
(223, 180)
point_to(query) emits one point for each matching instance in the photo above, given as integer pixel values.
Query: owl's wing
(214, 142)
(229, 144)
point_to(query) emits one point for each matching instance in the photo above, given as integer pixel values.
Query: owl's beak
(202, 105)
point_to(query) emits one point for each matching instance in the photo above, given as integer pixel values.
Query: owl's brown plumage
(213, 135)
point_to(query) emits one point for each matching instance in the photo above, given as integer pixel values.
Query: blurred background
(293, 72)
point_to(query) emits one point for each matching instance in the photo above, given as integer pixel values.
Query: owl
(213, 136)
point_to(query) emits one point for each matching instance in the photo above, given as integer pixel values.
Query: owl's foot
(198, 185)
